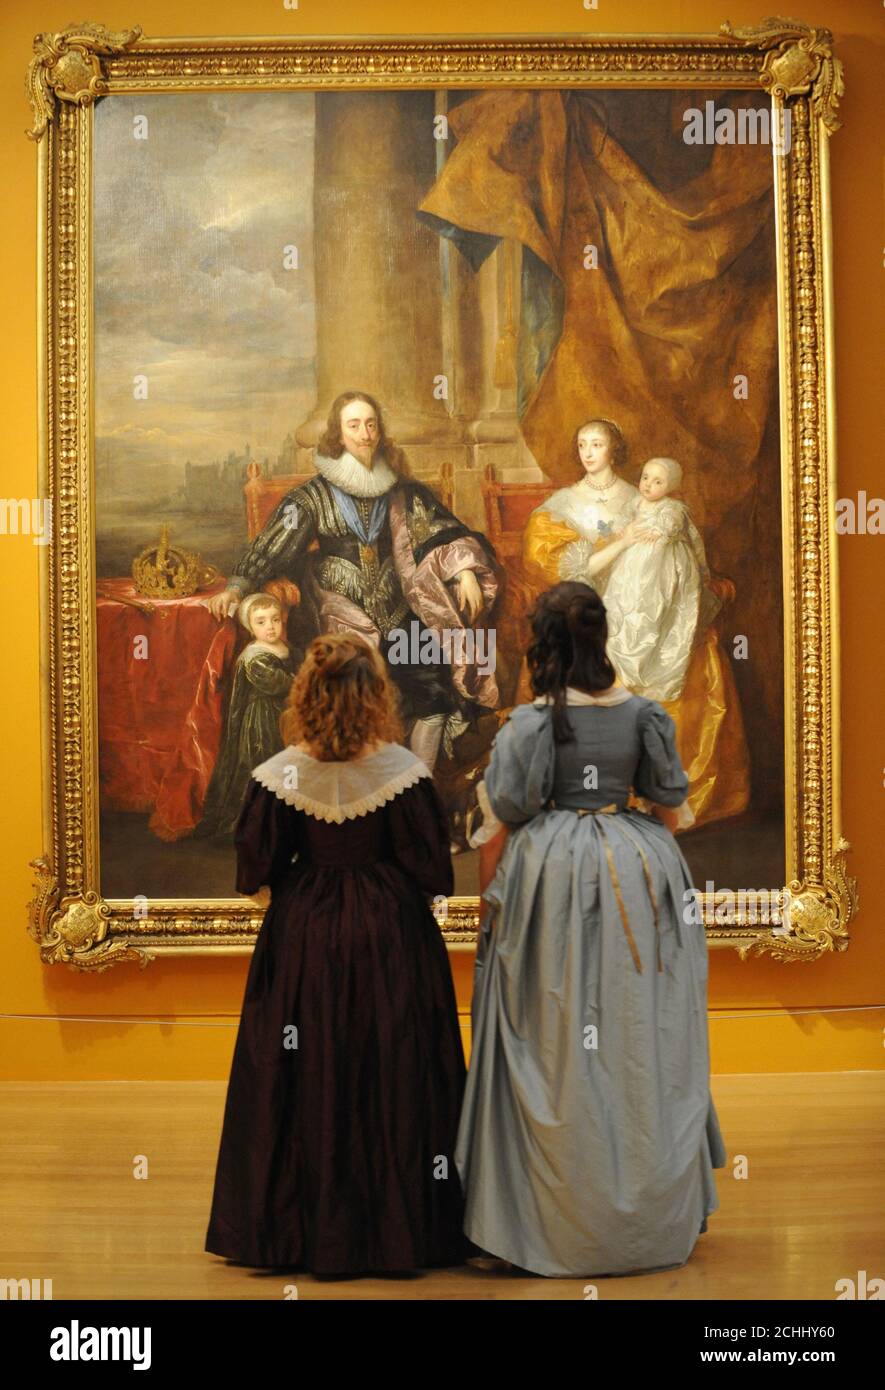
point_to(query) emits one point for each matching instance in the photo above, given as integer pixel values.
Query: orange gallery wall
(177, 1018)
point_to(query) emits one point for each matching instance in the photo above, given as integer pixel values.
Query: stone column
(378, 291)
(397, 305)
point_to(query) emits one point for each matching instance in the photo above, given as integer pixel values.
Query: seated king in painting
(389, 558)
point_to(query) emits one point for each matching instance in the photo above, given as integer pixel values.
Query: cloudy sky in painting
(190, 284)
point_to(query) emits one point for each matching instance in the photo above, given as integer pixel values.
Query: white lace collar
(258, 646)
(336, 792)
(353, 477)
(615, 696)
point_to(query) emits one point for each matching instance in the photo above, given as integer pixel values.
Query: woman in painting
(588, 1136)
(602, 508)
(342, 1107)
(597, 508)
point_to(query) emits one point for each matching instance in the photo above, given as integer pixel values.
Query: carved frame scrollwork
(84, 63)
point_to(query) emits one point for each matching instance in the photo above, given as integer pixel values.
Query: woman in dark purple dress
(342, 1107)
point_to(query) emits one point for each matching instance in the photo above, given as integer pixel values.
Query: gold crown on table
(162, 570)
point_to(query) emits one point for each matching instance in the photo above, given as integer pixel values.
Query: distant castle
(219, 485)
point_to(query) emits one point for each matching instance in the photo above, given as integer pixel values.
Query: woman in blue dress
(588, 1135)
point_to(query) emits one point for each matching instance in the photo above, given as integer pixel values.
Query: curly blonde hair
(341, 699)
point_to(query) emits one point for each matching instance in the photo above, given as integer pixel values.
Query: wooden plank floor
(810, 1212)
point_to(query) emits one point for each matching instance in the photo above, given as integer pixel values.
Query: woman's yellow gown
(709, 727)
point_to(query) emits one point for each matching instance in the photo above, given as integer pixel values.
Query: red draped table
(162, 686)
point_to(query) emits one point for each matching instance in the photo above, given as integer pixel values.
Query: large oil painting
(394, 362)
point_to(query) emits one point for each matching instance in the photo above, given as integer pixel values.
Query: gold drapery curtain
(683, 301)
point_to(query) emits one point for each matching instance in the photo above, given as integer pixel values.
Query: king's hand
(219, 605)
(470, 599)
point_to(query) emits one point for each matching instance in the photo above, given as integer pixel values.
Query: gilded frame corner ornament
(791, 61)
(67, 66)
(799, 61)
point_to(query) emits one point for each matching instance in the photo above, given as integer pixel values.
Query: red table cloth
(163, 682)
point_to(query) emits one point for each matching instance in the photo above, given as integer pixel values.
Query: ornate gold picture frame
(789, 62)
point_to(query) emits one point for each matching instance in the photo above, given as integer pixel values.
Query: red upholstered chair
(508, 508)
(263, 494)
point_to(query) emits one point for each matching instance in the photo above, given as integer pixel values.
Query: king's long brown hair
(341, 699)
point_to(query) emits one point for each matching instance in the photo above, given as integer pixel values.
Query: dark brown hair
(618, 442)
(341, 699)
(331, 445)
(570, 632)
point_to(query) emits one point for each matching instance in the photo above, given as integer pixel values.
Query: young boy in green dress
(264, 672)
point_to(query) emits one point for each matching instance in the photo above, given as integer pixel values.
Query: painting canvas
(395, 362)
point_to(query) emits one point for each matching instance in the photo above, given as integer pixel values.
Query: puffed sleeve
(281, 544)
(659, 775)
(267, 673)
(264, 837)
(419, 830)
(543, 540)
(519, 777)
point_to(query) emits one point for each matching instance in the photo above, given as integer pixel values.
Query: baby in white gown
(656, 589)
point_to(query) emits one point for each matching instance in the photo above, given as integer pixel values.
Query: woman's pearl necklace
(600, 487)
